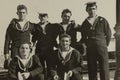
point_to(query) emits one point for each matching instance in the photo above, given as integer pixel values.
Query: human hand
(20, 77)
(85, 50)
(70, 73)
(6, 56)
(26, 75)
(56, 77)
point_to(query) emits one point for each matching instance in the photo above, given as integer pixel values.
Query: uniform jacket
(99, 33)
(33, 66)
(45, 41)
(73, 61)
(72, 30)
(14, 34)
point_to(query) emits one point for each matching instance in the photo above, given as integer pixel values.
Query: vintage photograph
(60, 40)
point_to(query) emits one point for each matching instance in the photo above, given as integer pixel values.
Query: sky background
(106, 8)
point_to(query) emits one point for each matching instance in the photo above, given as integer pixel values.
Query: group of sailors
(32, 46)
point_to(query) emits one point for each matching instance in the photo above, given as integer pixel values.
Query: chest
(25, 66)
(22, 25)
(44, 30)
(67, 60)
(98, 27)
(18, 33)
(68, 29)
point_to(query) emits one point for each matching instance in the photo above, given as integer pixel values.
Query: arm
(79, 63)
(56, 32)
(38, 67)
(107, 32)
(83, 39)
(34, 35)
(12, 73)
(77, 27)
(83, 36)
(7, 42)
(53, 67)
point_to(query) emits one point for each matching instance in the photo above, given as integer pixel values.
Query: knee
(78, 76)
(40, 77)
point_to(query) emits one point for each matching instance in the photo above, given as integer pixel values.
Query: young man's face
(66, 17)
(43, 19)
(65, 42)
(92, 11)
(24, 51)
(22, 13)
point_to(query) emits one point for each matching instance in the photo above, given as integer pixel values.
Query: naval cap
(91, 3)
(43, 14)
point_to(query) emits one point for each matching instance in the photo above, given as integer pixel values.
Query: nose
(67, 17)
(64, 42)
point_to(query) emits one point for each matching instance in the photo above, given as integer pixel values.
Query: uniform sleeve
(83, 34)
(38, 67)
(56, 34)
(107, 32)
(12, 73)
(78, 27)
(79, 63)
(7, 40)
(53, 67)
(34, 34)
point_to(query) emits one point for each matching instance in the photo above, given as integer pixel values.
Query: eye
(23, 12)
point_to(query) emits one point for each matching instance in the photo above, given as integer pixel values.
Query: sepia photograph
(60, 40)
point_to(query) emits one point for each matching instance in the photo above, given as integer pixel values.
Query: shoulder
(12, 23)
(56, 24)
(51, 25)
(55, 53)
(14, 61)
(35, 57)
(31, 24)
(76, 53)
(84, 23)
(34, 26)
(102, 19)
(74, 24)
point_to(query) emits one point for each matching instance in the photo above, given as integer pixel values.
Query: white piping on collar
(69, 53)
(20, 60)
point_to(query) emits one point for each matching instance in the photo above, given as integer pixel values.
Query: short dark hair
(24, 42)
(66, 11)
(43, 14)
(19, 7)
(64, 36)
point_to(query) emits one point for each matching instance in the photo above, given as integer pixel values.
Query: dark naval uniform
(72, 29)
(33, 66)
(15, 36)
(46, 41)
(73, 62)
(97, 38)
